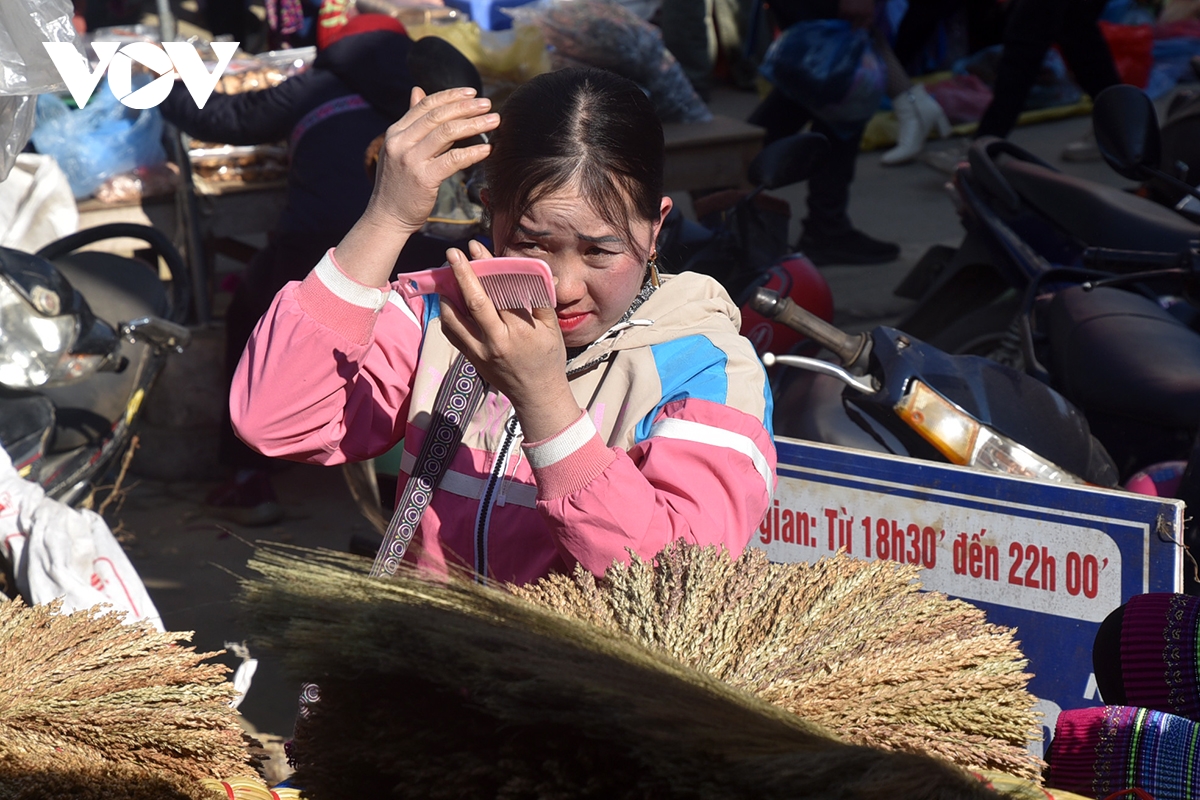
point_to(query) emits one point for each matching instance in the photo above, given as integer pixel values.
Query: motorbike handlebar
(849, 349)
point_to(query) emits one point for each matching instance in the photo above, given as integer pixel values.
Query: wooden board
(709, 155)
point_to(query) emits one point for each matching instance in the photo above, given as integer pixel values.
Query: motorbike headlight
(963, 440)
(35, 343)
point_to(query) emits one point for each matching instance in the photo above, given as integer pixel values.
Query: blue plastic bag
(103, 139)
(829, 67)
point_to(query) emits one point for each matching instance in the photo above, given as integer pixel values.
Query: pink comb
(509, 282)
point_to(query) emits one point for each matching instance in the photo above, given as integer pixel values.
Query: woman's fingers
(421, 104)
(457, 159)
(418, 94)
(427, 149)
(418, 154)
(438, 110)
(477, 250)
(475, 298)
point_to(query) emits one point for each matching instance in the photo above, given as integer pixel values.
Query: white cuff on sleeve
(563, 444)
(347, 288)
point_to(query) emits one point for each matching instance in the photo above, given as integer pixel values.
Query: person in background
(828, 236)
(917, 112)
(698, 32)
(629, 415)
(1031, 28)
(359, 84)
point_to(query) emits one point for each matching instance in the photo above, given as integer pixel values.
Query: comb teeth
(514, 290)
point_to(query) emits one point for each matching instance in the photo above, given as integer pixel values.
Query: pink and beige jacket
(673, 442)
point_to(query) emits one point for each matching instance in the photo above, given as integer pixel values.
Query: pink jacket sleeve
(326, 376)
(706, 475)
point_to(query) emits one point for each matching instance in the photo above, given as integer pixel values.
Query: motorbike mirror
(788, 160)
(1127, 134)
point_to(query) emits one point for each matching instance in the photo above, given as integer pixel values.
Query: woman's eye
(526, 246)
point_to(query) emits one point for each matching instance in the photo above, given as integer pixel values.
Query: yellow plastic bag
(505, 59)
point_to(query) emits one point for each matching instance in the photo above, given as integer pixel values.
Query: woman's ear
(664, 208)
(485, 197)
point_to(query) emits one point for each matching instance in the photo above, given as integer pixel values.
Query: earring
(652, 268)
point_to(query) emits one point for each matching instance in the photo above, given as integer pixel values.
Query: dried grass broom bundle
(849, 644)
(93, 708)
(451, 690)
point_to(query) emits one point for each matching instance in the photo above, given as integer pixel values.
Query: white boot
(918, 114)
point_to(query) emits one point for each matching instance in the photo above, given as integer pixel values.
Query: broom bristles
(444, 688)
(84, 694)
(853, 645)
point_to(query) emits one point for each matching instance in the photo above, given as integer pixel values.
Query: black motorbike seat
(1098, 215)
(118, 290)
(1119, 352)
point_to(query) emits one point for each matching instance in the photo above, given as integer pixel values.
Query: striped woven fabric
(1098, 751)
(1160, 653)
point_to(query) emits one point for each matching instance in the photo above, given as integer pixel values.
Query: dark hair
(584, 126)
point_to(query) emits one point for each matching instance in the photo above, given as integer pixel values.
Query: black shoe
(851, 247)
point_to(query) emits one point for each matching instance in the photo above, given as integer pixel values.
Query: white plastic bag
(58, 551)
(25, 66)
(36, 204)
(16, 126)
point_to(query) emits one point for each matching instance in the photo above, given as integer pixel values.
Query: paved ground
(191, 563)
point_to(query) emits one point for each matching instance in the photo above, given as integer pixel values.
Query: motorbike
(1023, 217)
(890, 392)
(1124, 345)
(1106, 343)
(83, 336)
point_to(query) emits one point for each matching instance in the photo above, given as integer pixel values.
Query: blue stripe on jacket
(689, 367)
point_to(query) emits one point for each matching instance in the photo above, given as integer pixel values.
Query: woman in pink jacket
(630, 415)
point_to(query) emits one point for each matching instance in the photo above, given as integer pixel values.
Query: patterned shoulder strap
(457, 400)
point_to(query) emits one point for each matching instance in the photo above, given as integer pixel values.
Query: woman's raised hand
(417, 155)
(519, 352)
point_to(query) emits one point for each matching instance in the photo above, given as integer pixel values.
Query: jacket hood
(374, 65)
(685, 304)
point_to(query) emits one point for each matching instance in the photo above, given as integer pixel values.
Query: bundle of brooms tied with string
(447, 689)
(94, 709)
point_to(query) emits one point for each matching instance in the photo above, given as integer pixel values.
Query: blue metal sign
(1048, 559)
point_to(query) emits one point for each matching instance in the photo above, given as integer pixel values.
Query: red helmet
(796, 277)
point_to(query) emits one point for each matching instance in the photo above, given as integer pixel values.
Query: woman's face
(597, 271)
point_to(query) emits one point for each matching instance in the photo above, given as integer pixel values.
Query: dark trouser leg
(779, 116)
(829, 187)
(1085, 49)
(1032, 26)
(918, 25)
